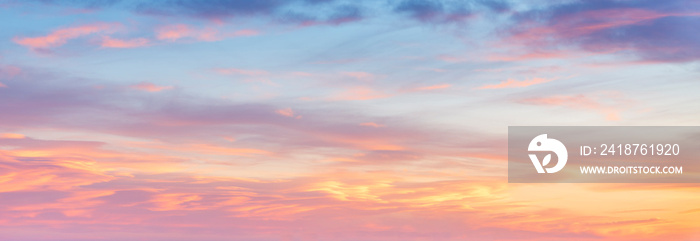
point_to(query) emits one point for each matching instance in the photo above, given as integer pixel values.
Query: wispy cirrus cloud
(513, 83)
(360, 93)
(433, 87)
(295, 11)
(12, 136)
(61, 36)
(183, 31)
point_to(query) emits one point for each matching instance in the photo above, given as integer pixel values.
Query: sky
(331, 120)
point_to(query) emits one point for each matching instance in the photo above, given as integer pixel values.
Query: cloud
(150, 87)
(435, 11)
(157, 164)
(12, 136)
(285, 112)
(303, 12)
(433, 87)
(371, 124)
(623, 27)
(359, 75)
(248, 72)
(61, 36)
(9, 71)
(246, 32)
(180, 31)
(288, 113)
(512, 83)
(360, 93)
(109, 42)
(532, 55)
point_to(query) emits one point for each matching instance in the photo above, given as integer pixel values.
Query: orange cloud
(108, 42)
(176, 201)
(12, 136)
(512, 83)
(371, 124)
(173, 32)
(530, 56)
(359, 75)
(287, 112)
(61, 36)
(150, 87)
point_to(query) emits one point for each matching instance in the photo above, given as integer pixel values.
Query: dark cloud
(84, 4)
(299, 11)
(284, 11)
(648, 30)
(213, 8)
(48, 100)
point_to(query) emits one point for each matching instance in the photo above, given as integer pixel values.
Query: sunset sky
(331, 120)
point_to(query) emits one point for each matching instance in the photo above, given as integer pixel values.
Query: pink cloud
(108, 42)
(451, 59)
(2, 85)
(173, 32)
(179, 31)
(531, 56)
(512, 83)
(9, 71)
(288, 113)
(434, 70)
(359, 75)
(361, 93)
(61, 36)
(433, 87)
(150, 87)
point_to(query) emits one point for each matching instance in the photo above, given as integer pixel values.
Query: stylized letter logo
(542, 143)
